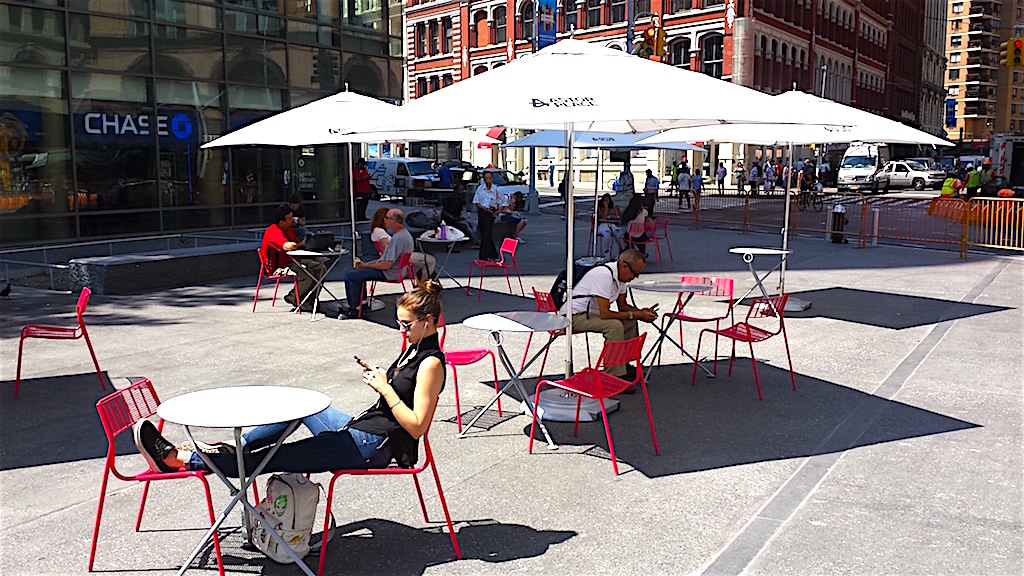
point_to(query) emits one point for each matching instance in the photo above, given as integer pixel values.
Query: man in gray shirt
(383, 268)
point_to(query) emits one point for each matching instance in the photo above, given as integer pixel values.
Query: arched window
(446, 35)
(500, 31)
(526, 20)
(568, 15)
(593, 13)
(479, 70)
(618, 11)
(482, 36)
(712, 55)
(679, 53)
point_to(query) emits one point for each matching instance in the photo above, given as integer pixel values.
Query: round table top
(517, 322)
(442, 240)
(241, 406)
(314, 254)
(670, 286)
(760, 251)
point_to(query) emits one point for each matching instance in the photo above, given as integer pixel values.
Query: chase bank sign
(103, 124)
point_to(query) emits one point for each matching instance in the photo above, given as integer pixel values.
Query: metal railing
(905, 218)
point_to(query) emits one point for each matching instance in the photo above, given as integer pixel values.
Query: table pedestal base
(560, 406)
(794, 304)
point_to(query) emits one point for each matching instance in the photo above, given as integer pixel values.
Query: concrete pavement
(900, 451)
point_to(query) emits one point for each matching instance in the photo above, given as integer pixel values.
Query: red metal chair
(662, 225)
(597, 384)
(455, 358)
(61, 333)
(722, 287)
(406, 271)
(746, 332)
(267, 274)
(393, 470)
(119, 412)
(508, 250)
(637, 229)
(545, 303)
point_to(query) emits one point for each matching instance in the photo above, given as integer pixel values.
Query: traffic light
(661, 43)
(650, 43)
(1011, 53)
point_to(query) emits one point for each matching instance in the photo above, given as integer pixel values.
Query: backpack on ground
(290, 507)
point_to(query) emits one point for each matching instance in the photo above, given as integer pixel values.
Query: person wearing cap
(973, 183)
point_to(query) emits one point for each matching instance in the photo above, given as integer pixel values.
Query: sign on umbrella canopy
(603, 140)
(595, 88)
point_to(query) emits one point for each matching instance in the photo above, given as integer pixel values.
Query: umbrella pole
(597, 200)
(352, 204)
(785, 225)
(569, 260)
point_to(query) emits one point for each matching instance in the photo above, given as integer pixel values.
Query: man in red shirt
(278, 239)
(361, 187)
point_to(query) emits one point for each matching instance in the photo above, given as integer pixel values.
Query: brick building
(985, 98)
(867, 53)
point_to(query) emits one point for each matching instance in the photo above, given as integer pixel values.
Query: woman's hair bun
(432, 286)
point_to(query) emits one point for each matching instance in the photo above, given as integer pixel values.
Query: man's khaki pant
(314, 266)
(612, 330)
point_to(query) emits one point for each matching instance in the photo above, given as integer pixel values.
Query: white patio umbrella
(574, 85)
(851, 125)
(332, 120)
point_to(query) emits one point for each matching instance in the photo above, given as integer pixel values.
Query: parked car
(909, 174)
(401, 177)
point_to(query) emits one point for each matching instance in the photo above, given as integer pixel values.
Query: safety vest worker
(950, 187)
(974, 178)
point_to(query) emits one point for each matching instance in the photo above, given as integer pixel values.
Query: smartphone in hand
(362, 363)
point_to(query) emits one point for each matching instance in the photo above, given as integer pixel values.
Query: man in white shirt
(487, 207)
(592, 299)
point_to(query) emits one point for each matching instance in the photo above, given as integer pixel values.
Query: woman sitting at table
(608, 217)
(378, 232)
(636, 213)
(388, 429)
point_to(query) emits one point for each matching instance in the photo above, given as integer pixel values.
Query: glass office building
(104, 105)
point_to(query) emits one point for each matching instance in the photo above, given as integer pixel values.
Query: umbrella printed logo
(570, 102)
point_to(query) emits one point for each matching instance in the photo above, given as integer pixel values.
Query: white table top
(312, 254)
(517, 322)
(241, 406)
(760, 251)
(444, 241)
(669, 286)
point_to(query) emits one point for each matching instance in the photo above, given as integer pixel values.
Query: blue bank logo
(181, 126)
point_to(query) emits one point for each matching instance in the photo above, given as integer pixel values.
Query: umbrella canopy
(593, 87)
(332, 120)
(851, 125)
(604, 140)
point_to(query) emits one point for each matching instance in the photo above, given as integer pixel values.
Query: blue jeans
(354, 281)
(332, 447)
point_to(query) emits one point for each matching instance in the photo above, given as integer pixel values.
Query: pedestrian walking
(720, 176)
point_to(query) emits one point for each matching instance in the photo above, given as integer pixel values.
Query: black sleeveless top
(378, 419)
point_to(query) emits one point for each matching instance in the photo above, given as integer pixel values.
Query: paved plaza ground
(900, 451)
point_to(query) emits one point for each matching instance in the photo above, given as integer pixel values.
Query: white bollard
(874, 230)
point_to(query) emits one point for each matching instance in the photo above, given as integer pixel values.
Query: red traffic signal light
(1018, 44)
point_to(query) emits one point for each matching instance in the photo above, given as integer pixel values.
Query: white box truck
(1007, 155)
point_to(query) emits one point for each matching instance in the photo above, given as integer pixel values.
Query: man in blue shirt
(444, 176)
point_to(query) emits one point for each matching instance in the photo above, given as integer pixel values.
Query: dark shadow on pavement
(885, 310)
(54, 420)
(720, 423)
(377, 546)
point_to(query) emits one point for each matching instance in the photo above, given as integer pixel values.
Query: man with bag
(592, 298)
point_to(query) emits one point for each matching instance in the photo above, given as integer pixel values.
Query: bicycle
(812, 198)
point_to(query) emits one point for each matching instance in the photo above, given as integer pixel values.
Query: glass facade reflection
(104, 104)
